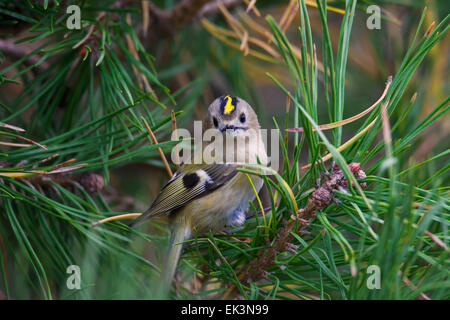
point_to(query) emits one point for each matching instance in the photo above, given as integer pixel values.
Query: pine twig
(91, 182)
(161, 153)
(175, 137)
(320, 198)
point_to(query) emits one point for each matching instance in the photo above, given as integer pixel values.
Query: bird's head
(231, 115)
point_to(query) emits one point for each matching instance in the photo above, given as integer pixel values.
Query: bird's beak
(231, 128)
(227, 127)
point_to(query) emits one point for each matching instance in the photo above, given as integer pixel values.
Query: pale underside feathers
(190, 182)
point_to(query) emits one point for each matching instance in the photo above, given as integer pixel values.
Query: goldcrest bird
(211, 193)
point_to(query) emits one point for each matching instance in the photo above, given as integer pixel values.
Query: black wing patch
(190, 180)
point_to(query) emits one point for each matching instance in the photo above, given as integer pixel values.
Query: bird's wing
(191, 181)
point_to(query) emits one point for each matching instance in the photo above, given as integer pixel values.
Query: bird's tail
(147, 214)
(178, 235)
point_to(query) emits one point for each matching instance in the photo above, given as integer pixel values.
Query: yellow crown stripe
(229, 107)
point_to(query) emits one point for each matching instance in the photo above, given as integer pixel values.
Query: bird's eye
(216, 123)
(242, 117)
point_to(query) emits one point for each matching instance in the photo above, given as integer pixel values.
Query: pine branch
(9, 49)
(166, 22)
(320, 198)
